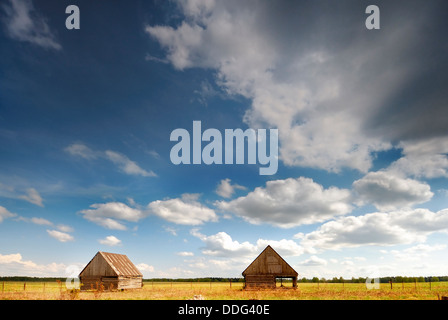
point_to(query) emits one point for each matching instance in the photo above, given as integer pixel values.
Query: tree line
(397, 279)
(32, 279)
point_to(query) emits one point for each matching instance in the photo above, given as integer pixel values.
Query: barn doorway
(285, 282)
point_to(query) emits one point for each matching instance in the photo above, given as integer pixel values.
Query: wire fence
(53, 286)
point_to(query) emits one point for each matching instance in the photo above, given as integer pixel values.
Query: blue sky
(86, 117)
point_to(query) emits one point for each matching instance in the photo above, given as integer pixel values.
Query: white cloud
(110, 241)
(41, 221)
(225, 189)
(424, 248)
(284, 247)
(170, 230)
(221, 244)
(145, 267)
(81, 150)
(389, 192)
(313, 261)
(109, 214)
(423, 159)
(359, 258)
(33, 197)
(381, 229)
(149, 57)
(290, 202)
(126, 165)
(64, 228)
(324, 93)
(44, 222)
(9, 258)
(185, 254)
(186, 210)
(14, 265)
(24, 23)
(60, 236)
(30, 195)
(418, 252)
(4, 213)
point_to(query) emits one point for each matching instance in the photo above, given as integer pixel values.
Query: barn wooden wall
(111, 283)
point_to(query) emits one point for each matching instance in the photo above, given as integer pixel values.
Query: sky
(86, 117)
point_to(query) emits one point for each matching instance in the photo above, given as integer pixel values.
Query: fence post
(24, 286)
(3, 287)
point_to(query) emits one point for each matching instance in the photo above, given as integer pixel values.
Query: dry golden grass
(223, 291)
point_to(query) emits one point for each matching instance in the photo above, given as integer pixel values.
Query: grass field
(223, 291)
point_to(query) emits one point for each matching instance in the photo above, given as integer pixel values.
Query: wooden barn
(266, 269)
(112, 270)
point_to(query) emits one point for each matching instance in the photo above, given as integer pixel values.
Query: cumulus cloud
(226, 189)
(313, 261)
(9, 258)
(221, 244)
(4, 213)
(290, 202)
(64, 228)
(60, 236)
(24, 23)
(417, 252)
(327, 87)
(185, 210)
(145, 267)
(423, 158)
(382, 229)
(389, 192)
(111, 214)
(14, 265)
(111, 241)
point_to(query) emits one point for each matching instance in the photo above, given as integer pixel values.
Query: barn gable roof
(270, 262)
(119, 264)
